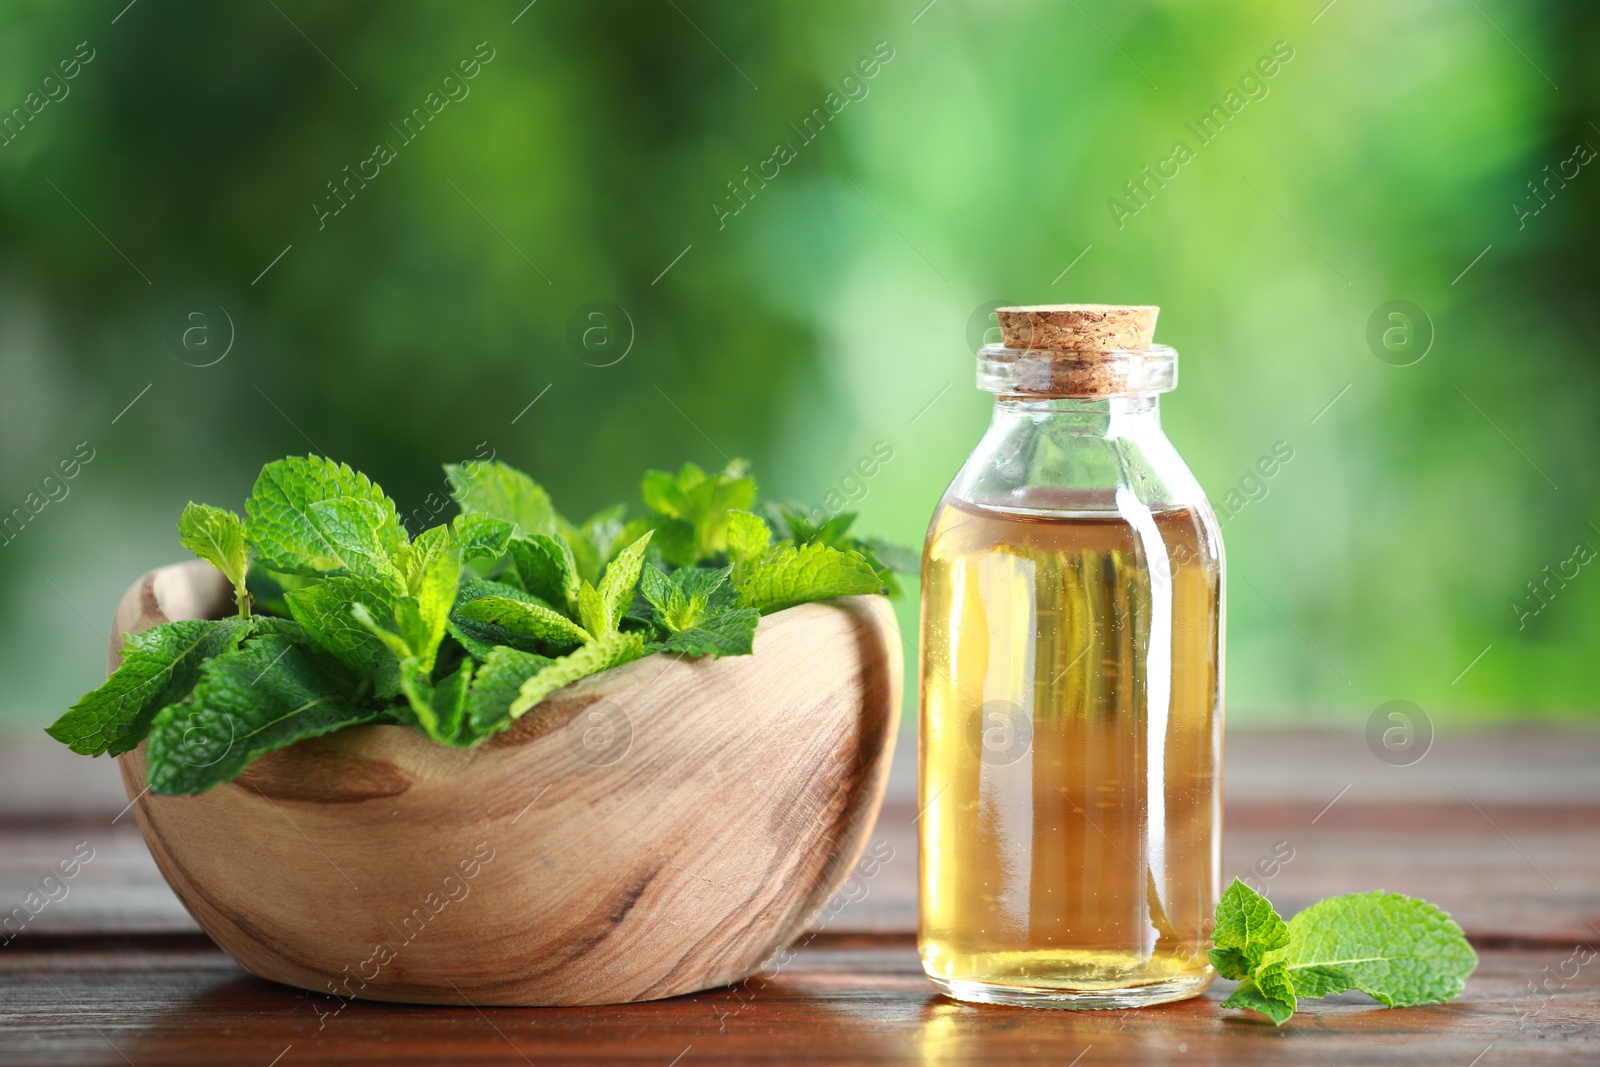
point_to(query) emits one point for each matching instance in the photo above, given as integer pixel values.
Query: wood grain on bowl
(661, 828)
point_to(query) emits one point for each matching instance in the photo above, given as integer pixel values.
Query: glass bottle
(1071, 683)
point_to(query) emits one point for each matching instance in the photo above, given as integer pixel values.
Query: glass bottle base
(1139, 996)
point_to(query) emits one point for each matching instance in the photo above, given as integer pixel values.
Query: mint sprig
(456, 632)
(501, 492)
(690, 509)
(311, 516)
(788, 575)
(1399, 950)
(266, 694)
(793, 523)
(217, 536)
(159, 668)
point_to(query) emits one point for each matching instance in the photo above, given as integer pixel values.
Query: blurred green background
(184, 169)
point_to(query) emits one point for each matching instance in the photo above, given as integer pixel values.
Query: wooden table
(1502, 829)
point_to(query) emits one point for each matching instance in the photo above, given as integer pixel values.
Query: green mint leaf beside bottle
(1399, 950)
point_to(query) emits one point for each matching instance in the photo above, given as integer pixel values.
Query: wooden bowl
(661, 828)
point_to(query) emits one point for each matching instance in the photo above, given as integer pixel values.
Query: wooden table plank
(839, 1000)
(1500, 828)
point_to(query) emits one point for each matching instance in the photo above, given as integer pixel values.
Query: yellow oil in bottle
(1070, 739)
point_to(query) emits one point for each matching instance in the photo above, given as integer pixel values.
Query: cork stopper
(1077, 350)
(1078, 327)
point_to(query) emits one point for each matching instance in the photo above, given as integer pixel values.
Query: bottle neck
(1114, 416)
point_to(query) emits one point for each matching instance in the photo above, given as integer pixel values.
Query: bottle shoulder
(1042, 477)
(1050, 466)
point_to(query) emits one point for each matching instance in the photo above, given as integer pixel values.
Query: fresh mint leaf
(398, 632)
(728, 633)
(216, 535)
(592, 613)
(482, 536)
(268, 693)
(438, 710)
(502, 492)
(683, 598)
(476, 647)
(356, 533)
(708, 588)
(430, 568)
(748, 540)
(1270, 992)
(546, 568)
(698, 608)
(674, 543)
(1247, 929)
(1399, 950)
(617, 585)
(311, 516)
(793, 523)
(499, 614)
(449, 700)
(599, 655)
(496, 685)
(1396, 949)
(664, 492)
(409, 626)
(663, 595)
(159, 667)
(481, 587)
(692, 507)
(791, 575)
(326, 610)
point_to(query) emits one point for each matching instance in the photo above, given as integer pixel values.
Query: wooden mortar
(662, 828)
